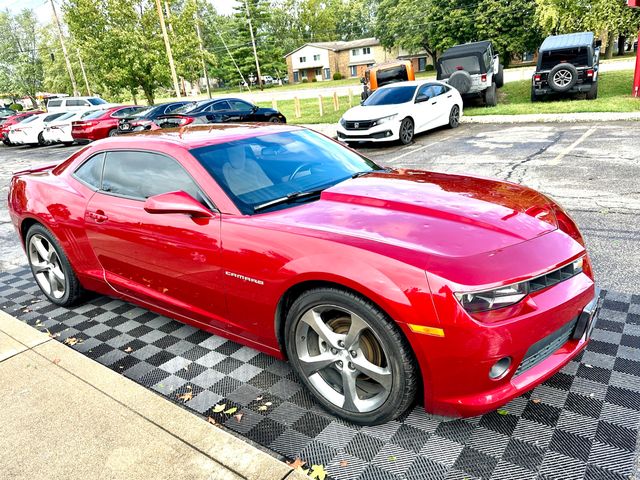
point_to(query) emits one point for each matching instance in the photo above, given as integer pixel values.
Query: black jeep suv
(567, 64)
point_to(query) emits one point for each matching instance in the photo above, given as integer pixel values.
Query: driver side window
(426, 91)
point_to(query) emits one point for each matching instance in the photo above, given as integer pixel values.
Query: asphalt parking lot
(592, 169)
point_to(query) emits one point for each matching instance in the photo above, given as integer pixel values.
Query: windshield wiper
(367, 172)
(289, 198)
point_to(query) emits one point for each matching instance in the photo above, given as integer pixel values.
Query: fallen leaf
(343, 463)
(72, 341)
(268, 404)
(231, 411)
(297, 463)
(317, 472)
(219, 408)
(262, 408)
(536, 400)
(212, 421)
(259, 398)
(502, 411)
(26, 310)
(238, 416)
(128, 350)
(55, 361)
(186, 396)
(392, 458)
(588, 366)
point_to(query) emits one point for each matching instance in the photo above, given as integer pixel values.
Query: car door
(169, 260)
(244, 111)
(426, 108)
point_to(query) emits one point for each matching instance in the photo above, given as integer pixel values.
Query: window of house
(353, 71)
(366, 50)
(303, 59)
(355, 52)
(422, 64)
(316, 58)
(318, 72)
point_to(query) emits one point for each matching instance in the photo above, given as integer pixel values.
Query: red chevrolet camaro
(375, 283)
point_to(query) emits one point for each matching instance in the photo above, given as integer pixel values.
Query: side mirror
(176, 202)
(255, 108)
(422, 98)
(598, 43)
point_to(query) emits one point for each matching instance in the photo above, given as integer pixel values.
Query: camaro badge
(243, 278)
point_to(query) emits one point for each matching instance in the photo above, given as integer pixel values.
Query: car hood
(433, 213)
(372, 112)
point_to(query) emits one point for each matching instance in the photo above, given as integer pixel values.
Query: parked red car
(101, 123)
(375, 283)
(12, 120)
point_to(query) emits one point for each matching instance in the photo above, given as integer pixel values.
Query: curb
(554, 117)
(236, 458)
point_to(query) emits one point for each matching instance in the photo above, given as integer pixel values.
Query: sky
(42, 8)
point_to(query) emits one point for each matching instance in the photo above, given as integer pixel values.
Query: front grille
(359, 125)
(552, 278)
(544, 348)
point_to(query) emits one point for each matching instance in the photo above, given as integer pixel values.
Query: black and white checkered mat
(582, 423)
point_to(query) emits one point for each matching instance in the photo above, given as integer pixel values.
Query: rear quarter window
(90, 172)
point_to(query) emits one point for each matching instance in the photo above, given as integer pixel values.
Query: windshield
(96, 101)
(65, 116)
(94, 114)
(391, 96)
(189, 107)
(257, 170)
(144, 112)
(469, 64)
(29, 119)
(576, 56)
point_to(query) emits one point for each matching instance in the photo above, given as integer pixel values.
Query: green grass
(310, 108)
(614, 95)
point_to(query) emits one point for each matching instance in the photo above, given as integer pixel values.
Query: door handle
(98, 216)
(433, 103)
(449, 96)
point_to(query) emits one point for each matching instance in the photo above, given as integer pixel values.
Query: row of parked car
(84, 119)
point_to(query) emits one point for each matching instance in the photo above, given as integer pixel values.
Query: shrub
(337, 76)
(16, 107)
(429, 68)
(314, 79)
(305, 80)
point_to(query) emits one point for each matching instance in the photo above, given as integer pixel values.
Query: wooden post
(296, 104)
(336, 102)
(350, 98)
(274, 103)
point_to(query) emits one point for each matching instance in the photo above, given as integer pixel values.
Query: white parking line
(568, 150)
(414, 150)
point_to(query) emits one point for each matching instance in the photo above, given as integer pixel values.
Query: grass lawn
(310, 108)
(614, 95)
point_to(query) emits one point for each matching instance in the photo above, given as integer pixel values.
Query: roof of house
(569, 40)
(340, 45)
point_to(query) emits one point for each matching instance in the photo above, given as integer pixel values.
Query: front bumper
(385, 132)
(553, 326)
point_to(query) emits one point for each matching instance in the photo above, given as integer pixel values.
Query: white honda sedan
(30, 130)
(400, 110)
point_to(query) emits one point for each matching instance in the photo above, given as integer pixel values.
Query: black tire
(275, 120)
(113, 132)
(534, 97)
(454, 117)
(407, 131)
(562, 77)
(461, 81)
(7, 142)
(491, 96)
(73, 291)
(592, 94)
(67, 144)
(399, 359)
(41, 140)
(499, 77)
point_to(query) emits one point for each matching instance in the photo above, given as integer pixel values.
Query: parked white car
(400, 110)
(76, 104)
(59, 130)
(30, 130)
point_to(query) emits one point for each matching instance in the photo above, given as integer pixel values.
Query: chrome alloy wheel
(406, 131)
(46, 267)
(562, 78)
(343, 358)
(454, 116)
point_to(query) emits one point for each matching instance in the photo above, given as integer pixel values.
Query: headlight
(382, 120)
(493, 299)
(343, 122)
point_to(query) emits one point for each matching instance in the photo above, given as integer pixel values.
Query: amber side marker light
(433, 331)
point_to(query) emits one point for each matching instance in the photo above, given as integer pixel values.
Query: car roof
(195, 136)
(411, 83)
(466, 48)
(569, 40)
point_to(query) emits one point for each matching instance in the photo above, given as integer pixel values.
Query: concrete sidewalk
(63, 415)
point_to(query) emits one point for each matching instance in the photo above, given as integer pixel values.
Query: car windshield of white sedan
(390, 96)
(279, 170)
(30, 119)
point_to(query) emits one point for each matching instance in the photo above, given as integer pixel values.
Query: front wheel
(41, 141)
(51, 268)
(406, 131)
(351, 356)
(454, 117)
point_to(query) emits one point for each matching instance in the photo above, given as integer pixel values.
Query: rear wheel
(275, 120)
(593, 93)
(454, 117)
(113, 132)
(351, 356)
(406, 131)
(7, 142)
(41, 140)
(51, 268)
(491, 96)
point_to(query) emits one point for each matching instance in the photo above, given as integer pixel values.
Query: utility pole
(233, 60)
(253, 42)
(84, 74)
(167, 45)
(204, 63)
(64, 52)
